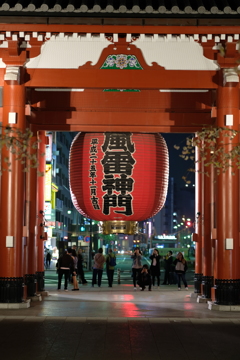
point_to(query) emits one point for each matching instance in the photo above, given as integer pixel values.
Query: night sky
(177, 166)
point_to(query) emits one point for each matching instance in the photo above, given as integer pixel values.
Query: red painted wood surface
(12, 189)
(122, 29)
(207, 221)
(227, 200)
(198, 209)
(32, 192)
(120, 79)
(40, 200)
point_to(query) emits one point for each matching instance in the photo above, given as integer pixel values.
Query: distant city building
(163, 221)
(60, 213)
(180, 203)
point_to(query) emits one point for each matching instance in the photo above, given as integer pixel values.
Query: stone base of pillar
(36, 297)
(194, 295)
(215, 307)
(201, 299)
(22, 305)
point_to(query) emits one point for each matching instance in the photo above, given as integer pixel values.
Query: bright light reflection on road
(188, 306)
(129, 309)
(123, 297)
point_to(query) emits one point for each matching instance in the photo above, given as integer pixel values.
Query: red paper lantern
(118, 177)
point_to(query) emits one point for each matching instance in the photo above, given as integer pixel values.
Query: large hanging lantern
(118, 178)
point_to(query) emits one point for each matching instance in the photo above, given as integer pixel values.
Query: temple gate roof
(122, 8)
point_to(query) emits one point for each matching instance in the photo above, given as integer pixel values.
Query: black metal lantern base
(207, 284)
(227, 291)
(40, 280)
(31, 283)
(11, 289)
(197, 283)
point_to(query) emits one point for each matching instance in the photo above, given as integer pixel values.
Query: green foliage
(109, 238)
(218, 147)
(19, 143)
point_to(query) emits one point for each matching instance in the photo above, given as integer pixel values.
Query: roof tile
(120, 8)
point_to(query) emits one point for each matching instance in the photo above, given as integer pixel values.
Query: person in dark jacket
(145, 278)
(65, 266)
(74, 273)
(80, 268)
(110, 267)
(155, 267)
(48, 260)
(180, 270)
(168, 269)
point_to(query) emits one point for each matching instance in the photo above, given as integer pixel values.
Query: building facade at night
(59, 211)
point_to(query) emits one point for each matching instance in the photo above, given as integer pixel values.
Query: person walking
(136, 266)
(65, 265)
(145, 278)
(98, 264)
(110, 266)
(180, 270)
(48, 260)
(168, 268)
(155, 267)
(74, 273)
(81, 275)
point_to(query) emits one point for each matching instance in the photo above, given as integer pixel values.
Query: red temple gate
(155, 105)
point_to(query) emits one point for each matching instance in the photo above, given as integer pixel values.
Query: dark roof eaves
(116, 14)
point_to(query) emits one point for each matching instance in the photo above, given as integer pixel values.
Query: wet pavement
(119, 323)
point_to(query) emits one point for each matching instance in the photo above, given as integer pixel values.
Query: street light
(136, 241)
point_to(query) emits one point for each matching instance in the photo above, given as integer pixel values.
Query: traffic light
(188, 223)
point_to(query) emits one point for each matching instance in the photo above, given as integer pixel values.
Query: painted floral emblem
(121, 61)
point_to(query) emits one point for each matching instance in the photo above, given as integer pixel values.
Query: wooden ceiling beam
(117, 128)
(121, 121)
(122, 29)
(122, 79)
(145, 100)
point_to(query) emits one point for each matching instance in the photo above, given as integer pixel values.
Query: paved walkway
(119, 324)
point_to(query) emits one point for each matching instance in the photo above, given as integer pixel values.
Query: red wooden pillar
(227, 207)
(208, 200)
(32, 214)
(12, 188)
(199, 211)
(197, 236)
(40, 200)
(207, 223)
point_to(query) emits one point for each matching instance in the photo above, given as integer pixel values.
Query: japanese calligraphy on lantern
(118, 176)
(118, 163)
(93, 172)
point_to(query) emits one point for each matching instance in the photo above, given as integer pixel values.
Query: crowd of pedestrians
(70, 264)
